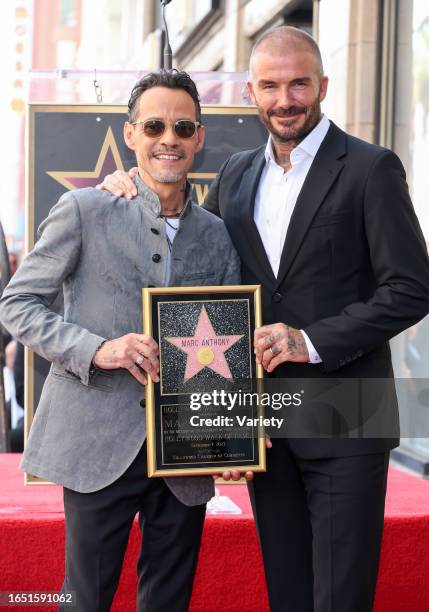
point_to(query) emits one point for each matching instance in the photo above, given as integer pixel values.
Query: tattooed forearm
(295, 342)
(106, 361)
(106, 357)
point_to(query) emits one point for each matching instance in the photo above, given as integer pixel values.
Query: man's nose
(284, 98)
(169, 136)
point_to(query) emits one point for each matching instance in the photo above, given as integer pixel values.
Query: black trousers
(320, 524)
(97, 529)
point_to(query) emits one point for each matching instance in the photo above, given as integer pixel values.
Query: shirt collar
(151, 199)
(307, 147)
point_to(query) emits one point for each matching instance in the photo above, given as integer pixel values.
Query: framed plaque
(203, 416)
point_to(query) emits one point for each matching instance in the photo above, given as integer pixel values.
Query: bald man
(316, 216)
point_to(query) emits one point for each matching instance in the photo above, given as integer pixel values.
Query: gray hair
(285, 39)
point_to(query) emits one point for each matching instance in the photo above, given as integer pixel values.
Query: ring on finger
(274, 349)
(139, 360)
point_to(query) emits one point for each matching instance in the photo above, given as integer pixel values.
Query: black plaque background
(250, 439)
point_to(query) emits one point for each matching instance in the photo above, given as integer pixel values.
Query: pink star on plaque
(205, 349)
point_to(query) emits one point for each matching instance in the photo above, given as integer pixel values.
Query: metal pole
(168, 54)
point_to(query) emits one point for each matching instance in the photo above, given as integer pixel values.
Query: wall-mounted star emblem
(205, 349)
(108, 161)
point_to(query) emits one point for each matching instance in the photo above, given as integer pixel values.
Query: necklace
(174, 227)
(170, 233)
(174, 216)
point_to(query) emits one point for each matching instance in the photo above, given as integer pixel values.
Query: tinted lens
(185, 128)
(153, 127)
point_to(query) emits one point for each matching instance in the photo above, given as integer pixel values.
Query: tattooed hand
(277, 343)
(134, 352)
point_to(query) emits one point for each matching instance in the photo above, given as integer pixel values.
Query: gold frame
(147, 294)
(32, 109)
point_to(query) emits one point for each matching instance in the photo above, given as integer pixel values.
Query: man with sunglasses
(88, 433)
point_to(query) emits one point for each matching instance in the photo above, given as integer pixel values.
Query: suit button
(156, 258)
(154, 230)
(277, 297)
(143, 403)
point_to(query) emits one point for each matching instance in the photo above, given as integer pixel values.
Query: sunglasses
(184, 128)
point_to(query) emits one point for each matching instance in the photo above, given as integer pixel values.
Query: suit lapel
(250, 246)
(321, 176)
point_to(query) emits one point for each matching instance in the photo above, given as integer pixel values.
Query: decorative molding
(199, 33)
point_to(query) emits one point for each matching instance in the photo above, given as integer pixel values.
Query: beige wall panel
(363, 21)
(257, 13)
(333, 42)
(209, 52)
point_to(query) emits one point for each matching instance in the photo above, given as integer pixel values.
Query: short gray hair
(284, 39)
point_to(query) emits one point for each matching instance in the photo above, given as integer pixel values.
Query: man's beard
(292, 134)
(166, 177)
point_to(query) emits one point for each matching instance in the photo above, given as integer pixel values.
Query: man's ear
(249, 86)
(201, 136)
(323, 88)
(129, 135)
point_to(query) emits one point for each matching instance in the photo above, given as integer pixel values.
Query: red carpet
(230, 576)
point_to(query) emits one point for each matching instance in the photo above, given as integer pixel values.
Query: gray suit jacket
(88, 428)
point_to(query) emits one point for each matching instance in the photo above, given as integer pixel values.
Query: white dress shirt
(276, 197)
(171, 229)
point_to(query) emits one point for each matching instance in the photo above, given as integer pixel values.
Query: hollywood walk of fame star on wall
(108, 161)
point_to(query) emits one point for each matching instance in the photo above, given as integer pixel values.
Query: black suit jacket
(354, 270)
